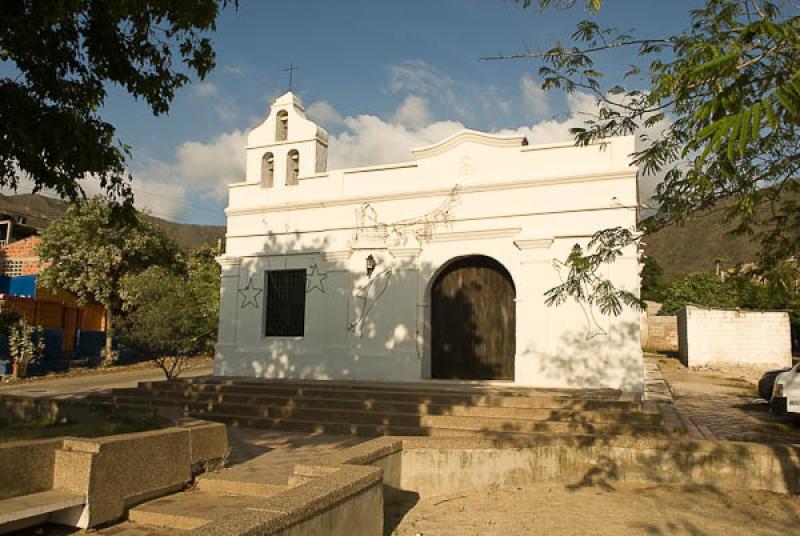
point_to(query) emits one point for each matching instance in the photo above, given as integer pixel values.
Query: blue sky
(380, 76)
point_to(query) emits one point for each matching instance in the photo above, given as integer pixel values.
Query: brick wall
(734, 337)
(662, 334)
(658, 333)
(24, 251)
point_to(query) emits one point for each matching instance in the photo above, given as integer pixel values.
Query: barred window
(286, 303)
(12, 268)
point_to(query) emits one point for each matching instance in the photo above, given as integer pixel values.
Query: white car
(786, 391)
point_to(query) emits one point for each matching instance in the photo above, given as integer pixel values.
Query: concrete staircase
(383, 408)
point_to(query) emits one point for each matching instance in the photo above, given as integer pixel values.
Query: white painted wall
(472, 193)
(708, 336)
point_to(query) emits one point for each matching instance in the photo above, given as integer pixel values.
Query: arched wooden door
(473, 321)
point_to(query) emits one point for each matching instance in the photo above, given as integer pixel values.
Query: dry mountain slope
(40, 210)
(691, 247)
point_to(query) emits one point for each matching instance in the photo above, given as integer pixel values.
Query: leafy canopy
(777, 289)
(93, 246)
(172, 314)
(725, 94)
(65, 56)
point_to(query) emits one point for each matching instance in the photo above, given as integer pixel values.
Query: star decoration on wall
(314, 279)
(250, 294)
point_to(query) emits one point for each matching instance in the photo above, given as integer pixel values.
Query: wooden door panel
(473, 321)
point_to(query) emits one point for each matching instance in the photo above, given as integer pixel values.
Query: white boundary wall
(734, 336)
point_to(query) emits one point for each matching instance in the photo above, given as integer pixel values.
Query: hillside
(682, 249)
(691, 247)
(39, 211)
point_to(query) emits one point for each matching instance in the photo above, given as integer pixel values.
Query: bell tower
(286, 147)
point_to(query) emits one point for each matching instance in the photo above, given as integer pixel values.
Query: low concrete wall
(113, 472)
(731, 336)
(123, 470)
(27, 409)
(343, 500)
(341, 493)
(448, 466)
(27, 467)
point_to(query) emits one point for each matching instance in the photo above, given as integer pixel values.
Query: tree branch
(611, 46)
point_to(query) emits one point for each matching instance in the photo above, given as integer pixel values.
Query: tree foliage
(65, 56)
(93, 246)
(725, 94)
(173, 314)
(652, 279)
(743, 289)
(25, 345)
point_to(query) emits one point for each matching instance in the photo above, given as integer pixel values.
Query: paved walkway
(721, 406)
(81, 384)
(270, 455)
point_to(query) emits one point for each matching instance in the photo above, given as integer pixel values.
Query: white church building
(431, 269)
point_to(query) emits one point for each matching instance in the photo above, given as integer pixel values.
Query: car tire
(767, 383)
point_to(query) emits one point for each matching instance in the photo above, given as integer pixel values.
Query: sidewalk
(82, 384)
(722, 406)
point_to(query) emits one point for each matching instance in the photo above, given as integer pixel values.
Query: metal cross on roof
(291, 68)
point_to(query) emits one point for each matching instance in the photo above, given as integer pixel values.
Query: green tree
(64, 56)
(171, 314)
(92, 247)
(700, 288)
(725, 96)
(744, 290)
(652, 275)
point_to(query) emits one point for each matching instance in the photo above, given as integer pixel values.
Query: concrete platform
(191, 509)
(35, 508)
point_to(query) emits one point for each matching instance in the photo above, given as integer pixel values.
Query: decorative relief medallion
(467, 165)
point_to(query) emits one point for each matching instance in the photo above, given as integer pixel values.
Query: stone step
(190, 510)
(237, 482)
(129, 528)
(433, 426)
(332, 393)
(432, 388)
(391, 424)
(287, 407)
(435, 386)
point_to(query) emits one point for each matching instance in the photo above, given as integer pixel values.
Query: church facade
(431, 269)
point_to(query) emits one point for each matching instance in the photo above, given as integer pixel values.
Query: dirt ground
(625, 509)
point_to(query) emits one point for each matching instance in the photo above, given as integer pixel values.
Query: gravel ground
(622, 510)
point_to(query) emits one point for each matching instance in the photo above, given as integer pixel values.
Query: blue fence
(23, 285)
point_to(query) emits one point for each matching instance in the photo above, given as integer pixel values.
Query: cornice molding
(482, 138)
(481, 234)
(443, 191)
(333, 256)
(533, 243)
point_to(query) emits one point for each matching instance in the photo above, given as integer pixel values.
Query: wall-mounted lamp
(371, 265)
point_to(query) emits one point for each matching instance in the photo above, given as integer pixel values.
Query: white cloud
(471, 102)
(215, 100)
(322, 113)
(534, 98)
(204, 89)
(201, 168)
(368, 140)
(413, 112)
